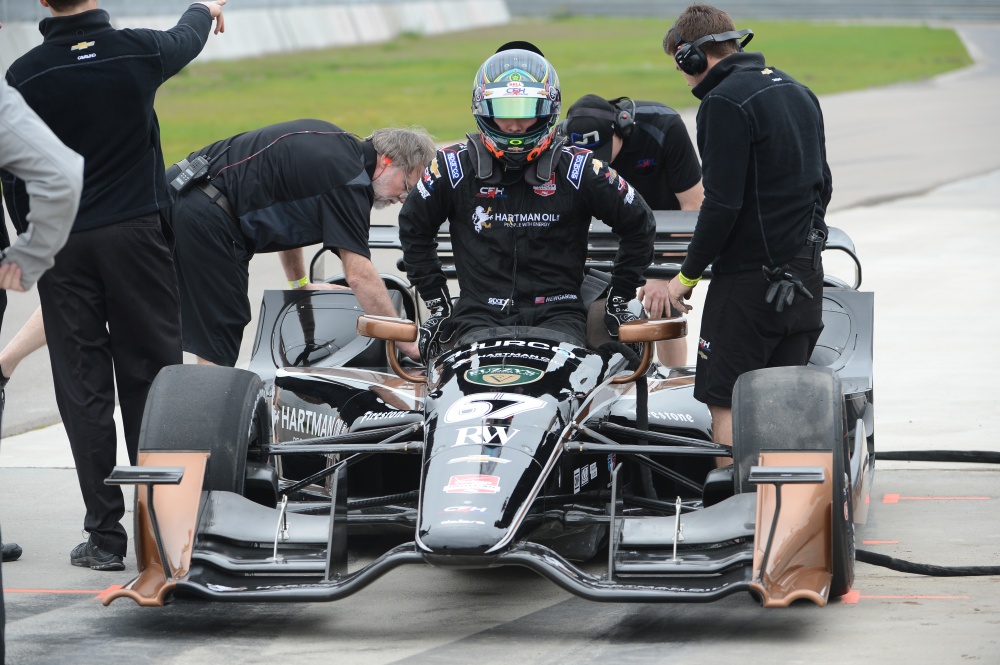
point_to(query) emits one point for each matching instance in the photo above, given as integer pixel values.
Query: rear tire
(798, 408)
(220, 410)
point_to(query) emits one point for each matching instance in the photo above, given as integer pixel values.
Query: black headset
(691, 59)
(622, 118)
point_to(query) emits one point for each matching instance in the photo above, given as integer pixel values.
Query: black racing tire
(220, 410)
(799, 408)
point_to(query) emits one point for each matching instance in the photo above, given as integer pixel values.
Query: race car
(514, 447)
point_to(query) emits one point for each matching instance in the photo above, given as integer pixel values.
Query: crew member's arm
(690, 199)
(294, 264)
(28, 339)
(725, 150)
(182, 43)
(53, 178)
(655, 295)
(370, 291)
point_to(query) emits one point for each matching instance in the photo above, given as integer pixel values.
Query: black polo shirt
(658, 158)
(298, 183)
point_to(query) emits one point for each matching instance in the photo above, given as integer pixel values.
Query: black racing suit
(520, 248)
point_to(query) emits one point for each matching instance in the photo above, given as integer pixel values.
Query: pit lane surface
(931, 262)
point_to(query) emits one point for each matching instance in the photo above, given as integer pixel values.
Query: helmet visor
(519, 107)
(513, 100)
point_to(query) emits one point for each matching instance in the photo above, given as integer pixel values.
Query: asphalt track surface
(917, 185)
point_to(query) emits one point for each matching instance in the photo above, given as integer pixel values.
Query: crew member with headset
(761, 225)
(648, 145)
(519, 205)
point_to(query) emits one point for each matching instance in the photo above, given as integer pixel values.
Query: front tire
(220, 410)
(799, 408)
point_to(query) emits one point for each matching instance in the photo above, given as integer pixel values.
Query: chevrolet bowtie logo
(82, 46)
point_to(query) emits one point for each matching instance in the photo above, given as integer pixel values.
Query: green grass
(427, 80)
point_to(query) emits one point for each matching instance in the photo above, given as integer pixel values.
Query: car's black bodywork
(520, 448)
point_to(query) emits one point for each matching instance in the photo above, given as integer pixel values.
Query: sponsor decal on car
(502, 375)
(462, 522)
(584, 475)
(484, 435)
(380, 415)
(464, 509)
(668, 415)
(304, 421)
(473, 483)
(497, 406)
(478, 459)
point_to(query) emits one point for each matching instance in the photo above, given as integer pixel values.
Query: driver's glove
(616, 312)
(432, 332)
(784, 286)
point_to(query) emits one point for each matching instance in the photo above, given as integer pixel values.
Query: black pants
(212, 258)
(111, 314)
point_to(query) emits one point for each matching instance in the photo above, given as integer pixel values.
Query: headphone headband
(726, 36)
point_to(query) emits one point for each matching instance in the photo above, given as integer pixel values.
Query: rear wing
(674, 229)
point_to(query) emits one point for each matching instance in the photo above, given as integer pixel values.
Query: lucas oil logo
(502, 375)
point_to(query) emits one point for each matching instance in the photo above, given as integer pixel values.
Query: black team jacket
(115, 127)
(764, 169)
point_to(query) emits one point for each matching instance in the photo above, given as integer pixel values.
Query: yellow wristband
(686, 281)
(299, 283)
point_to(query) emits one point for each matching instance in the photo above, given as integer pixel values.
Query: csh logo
(491, 193)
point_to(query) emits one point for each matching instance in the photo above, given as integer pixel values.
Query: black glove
(616, 312)
(783, 287)
(432, 333)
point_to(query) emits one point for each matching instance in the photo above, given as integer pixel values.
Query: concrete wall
(895, 10)
(265, 30)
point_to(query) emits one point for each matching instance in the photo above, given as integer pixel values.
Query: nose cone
(471, 495)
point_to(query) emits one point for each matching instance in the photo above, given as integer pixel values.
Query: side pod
(165, 529)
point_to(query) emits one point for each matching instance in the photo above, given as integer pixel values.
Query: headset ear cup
(624, 117)
(624, 122)
(690, 59)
